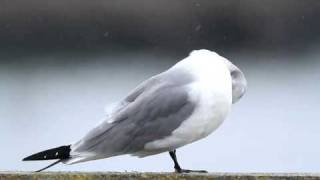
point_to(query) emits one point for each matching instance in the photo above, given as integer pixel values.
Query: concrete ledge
(147, 176)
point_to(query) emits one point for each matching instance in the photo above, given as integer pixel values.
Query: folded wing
(151, 112)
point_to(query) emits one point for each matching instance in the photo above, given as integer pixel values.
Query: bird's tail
(61, 153)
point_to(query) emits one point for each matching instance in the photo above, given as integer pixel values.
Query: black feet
(190, 171)
(177, 167)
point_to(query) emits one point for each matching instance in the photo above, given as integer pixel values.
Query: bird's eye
(233, 74)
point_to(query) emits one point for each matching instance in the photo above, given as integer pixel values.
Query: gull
(179, 106)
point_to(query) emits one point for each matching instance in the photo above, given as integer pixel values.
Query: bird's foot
(190, 171)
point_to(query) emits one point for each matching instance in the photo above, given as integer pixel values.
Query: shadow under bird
(167, 111)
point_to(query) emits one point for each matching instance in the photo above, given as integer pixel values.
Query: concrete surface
(145, 176)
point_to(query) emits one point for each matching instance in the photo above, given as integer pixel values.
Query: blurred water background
(61, 62)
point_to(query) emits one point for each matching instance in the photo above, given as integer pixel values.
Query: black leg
(177, 167)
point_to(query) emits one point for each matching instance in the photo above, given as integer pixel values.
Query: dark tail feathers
(62, 152)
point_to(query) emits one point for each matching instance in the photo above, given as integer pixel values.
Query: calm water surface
(274, 128)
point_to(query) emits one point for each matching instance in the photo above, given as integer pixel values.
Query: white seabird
(174, 108)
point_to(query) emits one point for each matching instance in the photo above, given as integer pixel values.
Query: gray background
(61, 62)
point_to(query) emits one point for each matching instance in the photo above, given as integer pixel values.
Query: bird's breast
(213, 106)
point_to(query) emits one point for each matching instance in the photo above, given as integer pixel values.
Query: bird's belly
(212, 109)
(206, 118)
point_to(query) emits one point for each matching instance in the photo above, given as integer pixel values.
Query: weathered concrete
(145, 176)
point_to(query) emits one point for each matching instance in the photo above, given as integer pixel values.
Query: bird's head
(239, 82)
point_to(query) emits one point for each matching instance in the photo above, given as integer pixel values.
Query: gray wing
(151, 112)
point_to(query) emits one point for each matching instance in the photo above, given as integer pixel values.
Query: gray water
(46, 102)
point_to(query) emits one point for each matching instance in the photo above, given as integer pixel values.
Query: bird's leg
(177, 167)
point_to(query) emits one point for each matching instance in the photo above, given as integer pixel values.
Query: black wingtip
(62, 152)
(27, 158)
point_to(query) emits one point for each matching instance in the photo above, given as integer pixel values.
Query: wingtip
(29, 158)
(62, 152)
